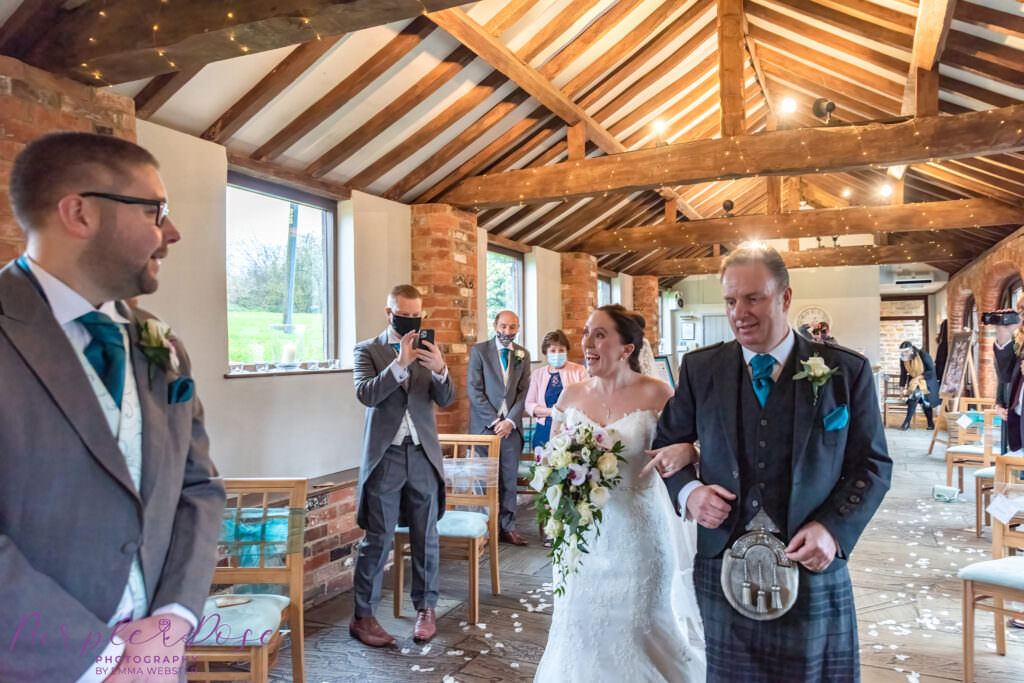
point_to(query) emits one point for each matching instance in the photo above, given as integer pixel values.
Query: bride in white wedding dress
(629, 613)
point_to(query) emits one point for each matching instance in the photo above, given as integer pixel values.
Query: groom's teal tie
(504, 359)
(761, 366)
(106, 351)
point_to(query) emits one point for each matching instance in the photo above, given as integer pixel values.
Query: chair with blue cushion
(260, 550)
(991, 433)
(470, 481)
(970, 451)
(990, 584)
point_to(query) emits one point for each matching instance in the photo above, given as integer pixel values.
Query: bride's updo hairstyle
(630, 326)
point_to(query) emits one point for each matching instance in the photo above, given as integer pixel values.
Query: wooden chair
(1000, 579)
(984, 477)
(261, 543)
(968, 453)
(526, 459)
(895, 400)
(947, 405)
(464, 535)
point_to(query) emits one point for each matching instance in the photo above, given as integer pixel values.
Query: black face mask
(404, 326)
(505, 339)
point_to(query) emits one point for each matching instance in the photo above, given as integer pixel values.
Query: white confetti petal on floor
(405, 650)
(514, 665)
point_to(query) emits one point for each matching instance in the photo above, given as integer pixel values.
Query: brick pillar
(444, 270)
(579, 298)
(647, 302)
(35, 102)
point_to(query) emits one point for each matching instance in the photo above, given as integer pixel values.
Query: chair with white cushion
(991, 432)
(967, 454)
(990, 584)
(261, 543)
(470, 481)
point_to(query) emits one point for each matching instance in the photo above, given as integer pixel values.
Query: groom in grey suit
(109, 504)
(401, 478)
(497, 383)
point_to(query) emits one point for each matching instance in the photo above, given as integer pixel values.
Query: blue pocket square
(180, 390)
(837, 419)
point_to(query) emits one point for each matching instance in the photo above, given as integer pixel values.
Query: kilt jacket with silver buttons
(840, 465)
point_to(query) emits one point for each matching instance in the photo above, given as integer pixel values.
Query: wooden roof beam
(835, 148)
(126, 42)
(731, 57)
(965, 213)
(867, 255)
(160, 89)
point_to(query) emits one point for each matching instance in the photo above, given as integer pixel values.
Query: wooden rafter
(820, 258)
(821, 149)
(731, 56)
(160, 89)
(276, 173)
(821, 222)
(124, 42)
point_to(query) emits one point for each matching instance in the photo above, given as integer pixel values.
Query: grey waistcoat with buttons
(766, 447)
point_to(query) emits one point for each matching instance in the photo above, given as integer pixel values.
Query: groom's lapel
(805, 410)
(153, 402)
(727, 385)
(29, 324)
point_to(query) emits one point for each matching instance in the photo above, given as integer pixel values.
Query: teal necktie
(105, 352)
(762, 365)
(504, 359)
(397, 348)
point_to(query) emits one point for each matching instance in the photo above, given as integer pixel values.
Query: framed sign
(687, 330)
(663, 370)
(956, 364)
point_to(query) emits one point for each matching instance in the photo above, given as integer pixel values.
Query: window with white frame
(280, 270)
(604, 290)
(504, 282)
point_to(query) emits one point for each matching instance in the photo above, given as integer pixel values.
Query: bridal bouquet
(574, 473)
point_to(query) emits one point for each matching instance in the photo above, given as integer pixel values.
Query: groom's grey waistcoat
(766, 445)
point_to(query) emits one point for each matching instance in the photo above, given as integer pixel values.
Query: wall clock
(809, 315)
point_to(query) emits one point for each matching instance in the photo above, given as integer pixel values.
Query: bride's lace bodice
(630, 606)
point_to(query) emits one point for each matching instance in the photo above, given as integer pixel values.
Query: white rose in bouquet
(599, 496)
(560, 458)
(817, 366)
(586, 515)
(608, 464)
(552, 528)
(540, 476)
(554, 496)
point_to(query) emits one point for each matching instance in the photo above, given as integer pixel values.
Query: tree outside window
(504, 283)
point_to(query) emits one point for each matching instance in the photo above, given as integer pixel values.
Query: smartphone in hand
(427, 335)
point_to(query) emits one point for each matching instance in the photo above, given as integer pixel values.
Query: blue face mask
(556, 360)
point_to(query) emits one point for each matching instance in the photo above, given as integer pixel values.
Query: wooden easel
(951, 400)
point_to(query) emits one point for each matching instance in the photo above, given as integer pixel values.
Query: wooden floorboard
(904, 577)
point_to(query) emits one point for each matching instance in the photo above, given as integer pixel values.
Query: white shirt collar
(780, 353)
(66, 303)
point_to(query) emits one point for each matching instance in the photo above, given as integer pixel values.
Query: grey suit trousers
(404, 484)
(508, 473)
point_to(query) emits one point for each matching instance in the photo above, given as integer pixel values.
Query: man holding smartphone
(399, 376)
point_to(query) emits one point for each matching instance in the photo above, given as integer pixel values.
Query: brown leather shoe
(512, 537)
(426, 625)
(368, 631)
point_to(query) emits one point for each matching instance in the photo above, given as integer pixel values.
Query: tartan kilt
(814, 641)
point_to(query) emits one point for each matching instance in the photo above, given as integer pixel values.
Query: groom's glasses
(162, 210)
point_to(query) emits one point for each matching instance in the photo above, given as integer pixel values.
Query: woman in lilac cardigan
(547, 383)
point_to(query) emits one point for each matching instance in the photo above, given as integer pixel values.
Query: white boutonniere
(519, 355)
(816, 372)
(156, 340)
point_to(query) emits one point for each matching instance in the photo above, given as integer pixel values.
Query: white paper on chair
(965, 421)
(1003, 509)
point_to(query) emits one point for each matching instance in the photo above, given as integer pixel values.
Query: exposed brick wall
(34, 102)
(444, 269)
(579, 298)
(647, 302)
(891, 334)
(984, 279)
(895, 308)
(329, 548)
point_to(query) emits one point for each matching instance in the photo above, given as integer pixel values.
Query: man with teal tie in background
(109, 505)
(497, 384)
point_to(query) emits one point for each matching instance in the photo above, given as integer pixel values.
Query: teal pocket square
(837, 419)
(180, 390)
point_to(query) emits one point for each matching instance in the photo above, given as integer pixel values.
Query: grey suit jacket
(386, 402)
(840, 475)
(70, 519)
(487, 388)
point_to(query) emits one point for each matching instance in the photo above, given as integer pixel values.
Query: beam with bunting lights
(124, 40)
(951, 215)
(868, 255)
(795, 151)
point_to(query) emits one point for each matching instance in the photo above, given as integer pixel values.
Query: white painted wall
(849, 294)
(483, 325)
(301, 426)
(622, 290)
(543, 297)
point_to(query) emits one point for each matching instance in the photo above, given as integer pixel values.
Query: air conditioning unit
(913, 280)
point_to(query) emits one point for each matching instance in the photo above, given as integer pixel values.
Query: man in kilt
(809, 452)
